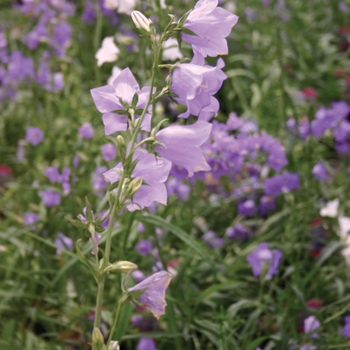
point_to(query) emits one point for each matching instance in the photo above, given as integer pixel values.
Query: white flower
(344, 225)
(108, 51)
(115, 72)
(110, 4)
(171, 50)
(331, 209)
(126, 6)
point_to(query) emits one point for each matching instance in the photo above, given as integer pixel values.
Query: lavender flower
(63, 242)
(247, 208)
(30, 218)
(153, 297)
(143, 247)
(152, 170)
(86, 131)
(146, 344)
(237, 232)
(212, 25)
(109, 151)
(34, 135)
(182, 145)
(115, 97)
(53, 174)
(345, 332)
(195, 84)
(310, 325)
(263, 257)
(50, 198)
(212, 240)
(319, 172)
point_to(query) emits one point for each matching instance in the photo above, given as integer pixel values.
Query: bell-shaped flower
(182, 145)
(153, 297)
(119, 97)
(108, 52)
(153, 171)
(195, 84)
(212, 25)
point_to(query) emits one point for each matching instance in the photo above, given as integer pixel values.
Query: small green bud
(121, 147)
(133, 187)
(142, 23)
(97, 340)
(121, 266)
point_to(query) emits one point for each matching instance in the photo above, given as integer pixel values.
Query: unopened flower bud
(121, 146)
(122, 266)
(141, 22)
(97, 339)
(113, 345)
(133, 187)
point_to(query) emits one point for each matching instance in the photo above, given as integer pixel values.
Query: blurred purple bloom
(195, 84)
(310, 325)
(251, 15)
(233, 122)
(182, 145)
(212, 240)
(50, 198)
(343, 7)
(30, 218)
(34, 135)
(89, 14)
(345, 332)
(138, 276)
(98, 181)
(279, 183)
(53, 174)
(246, 208)
(176, 187)
(113, 97)
(238, 232)
(109, 151)
(153, 297)
(152, 170)
(63, 242)
(21, 153)
(143, 247)
(267, 203)
(319, 172)
(212, 25)
(263, 257)
(86, 131)
(146, 344)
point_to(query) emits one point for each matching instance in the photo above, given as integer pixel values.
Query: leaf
(191, 242)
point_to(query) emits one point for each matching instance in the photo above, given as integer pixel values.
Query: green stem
(115, 321)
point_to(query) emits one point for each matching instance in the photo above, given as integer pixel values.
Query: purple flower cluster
(238, 152)
(332, 121)
(54, 176)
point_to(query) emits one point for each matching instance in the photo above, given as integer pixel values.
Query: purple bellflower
(182, 145)
(63, 242)
(109, 151)
(30, 218)
(310, 325)
(50, 198)
(146, 344)
(116, 97)
(261, 257)
(212, 25)
(195, 84)
(153, 297)
(345, 332)
(143, 247)
(86, 131)
(212, 240)
(153, 171)
(34, 135)
(319, 172)
(53, 174)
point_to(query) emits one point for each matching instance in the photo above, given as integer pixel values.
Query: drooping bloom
(182, 145)
(153, 171)
(153, 297)
(108, 51)
(212, 25)
(195, 84)
(34, 135)
(261, 256)
(114, 97)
